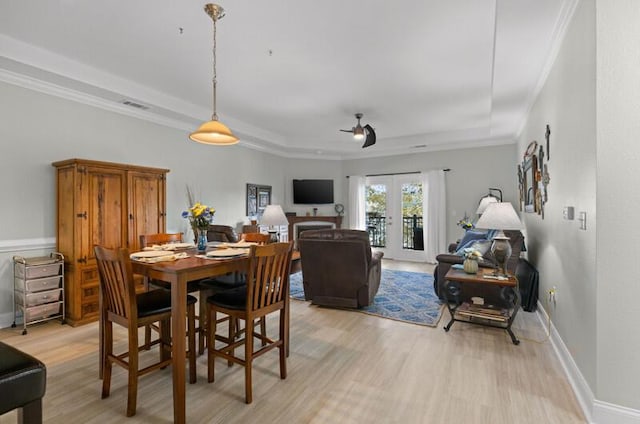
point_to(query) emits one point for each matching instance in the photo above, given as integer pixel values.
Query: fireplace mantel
(337, 220)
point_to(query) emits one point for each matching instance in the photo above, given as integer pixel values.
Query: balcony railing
(412, 232)
(377, 229)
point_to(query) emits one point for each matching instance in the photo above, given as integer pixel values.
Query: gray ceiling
(436, 74)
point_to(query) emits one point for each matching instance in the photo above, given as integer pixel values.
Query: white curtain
(356, 202)
(433, 205)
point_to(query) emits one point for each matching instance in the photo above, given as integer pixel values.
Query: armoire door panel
(106, 209)
(146, 206)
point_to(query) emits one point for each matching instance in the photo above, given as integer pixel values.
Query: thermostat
(567, 213)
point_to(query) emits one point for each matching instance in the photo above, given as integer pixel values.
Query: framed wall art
(258, 197)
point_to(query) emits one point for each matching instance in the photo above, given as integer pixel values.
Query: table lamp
(500, 216)
(272, 216)
(484, 202)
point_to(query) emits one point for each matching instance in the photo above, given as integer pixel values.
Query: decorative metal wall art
(533, 177)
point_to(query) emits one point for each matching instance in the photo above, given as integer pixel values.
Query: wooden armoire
(107, 204)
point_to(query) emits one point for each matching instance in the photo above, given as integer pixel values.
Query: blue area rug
(402, 296)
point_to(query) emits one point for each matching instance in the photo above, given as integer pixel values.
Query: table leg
(178, 347)
(287, 317)
(101, 321)
(514, 294)
(451, 288)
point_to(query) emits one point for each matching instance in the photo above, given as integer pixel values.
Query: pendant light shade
(214, 132)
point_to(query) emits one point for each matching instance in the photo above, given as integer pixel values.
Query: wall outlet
(553, 296)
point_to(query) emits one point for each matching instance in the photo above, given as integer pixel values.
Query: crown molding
(66, 93)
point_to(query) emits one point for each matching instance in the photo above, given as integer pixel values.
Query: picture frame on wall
(258, 197)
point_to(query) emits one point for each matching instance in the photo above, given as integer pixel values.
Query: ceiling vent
(419, 146)
(134, 104)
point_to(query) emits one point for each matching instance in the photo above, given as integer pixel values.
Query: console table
(337, 220)
(500, 316)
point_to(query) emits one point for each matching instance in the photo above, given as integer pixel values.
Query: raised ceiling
(427, 74)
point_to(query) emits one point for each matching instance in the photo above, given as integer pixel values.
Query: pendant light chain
(214, 132)
(214, 117)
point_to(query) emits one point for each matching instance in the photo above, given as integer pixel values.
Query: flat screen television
(312, 192)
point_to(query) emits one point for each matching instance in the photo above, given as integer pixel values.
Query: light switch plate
(583, 220)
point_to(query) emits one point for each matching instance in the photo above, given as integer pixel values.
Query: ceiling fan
(365, 133)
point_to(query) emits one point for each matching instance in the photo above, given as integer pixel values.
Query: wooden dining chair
(253, 228)
(266, 291)
(147, 240)
(231, 281)
(121, 305)
(255, 238)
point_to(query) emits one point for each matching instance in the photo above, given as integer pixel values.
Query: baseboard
(608, 413)
(6, 319)
(595, 411)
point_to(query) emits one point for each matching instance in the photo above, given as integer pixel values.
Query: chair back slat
(116, 281)
(268, 276)
(160, 238)
(255, 238)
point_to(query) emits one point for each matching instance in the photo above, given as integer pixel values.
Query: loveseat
(338, 267)
(482, 242)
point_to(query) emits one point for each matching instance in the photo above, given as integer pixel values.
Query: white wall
(591, 101)
(300, 169)
(472, 172)
(618, 153)
(565, 255)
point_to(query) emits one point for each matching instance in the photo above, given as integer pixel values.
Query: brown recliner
(338, 268)
(445, 260)
(223, 233)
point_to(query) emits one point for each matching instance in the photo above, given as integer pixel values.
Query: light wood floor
(345, 367)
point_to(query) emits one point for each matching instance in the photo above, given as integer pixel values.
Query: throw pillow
(469, 237)
(481, 246)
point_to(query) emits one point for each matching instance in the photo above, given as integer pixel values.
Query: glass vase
(202, 240)
(470, 266)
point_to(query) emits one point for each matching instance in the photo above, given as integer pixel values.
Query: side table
(500, 315)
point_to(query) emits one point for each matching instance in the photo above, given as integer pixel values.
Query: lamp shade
(274, 215)
(484, 202)
(499, 216)
(214, 132)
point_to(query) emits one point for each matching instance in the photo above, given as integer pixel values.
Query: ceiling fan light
(358, 133)
(214, 133)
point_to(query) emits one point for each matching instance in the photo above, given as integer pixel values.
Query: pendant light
(214, 132)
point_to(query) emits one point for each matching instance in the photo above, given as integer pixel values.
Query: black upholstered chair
(23, 381)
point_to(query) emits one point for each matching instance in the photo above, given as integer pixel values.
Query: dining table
(178, 273)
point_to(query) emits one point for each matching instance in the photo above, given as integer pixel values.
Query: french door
(394, 218)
